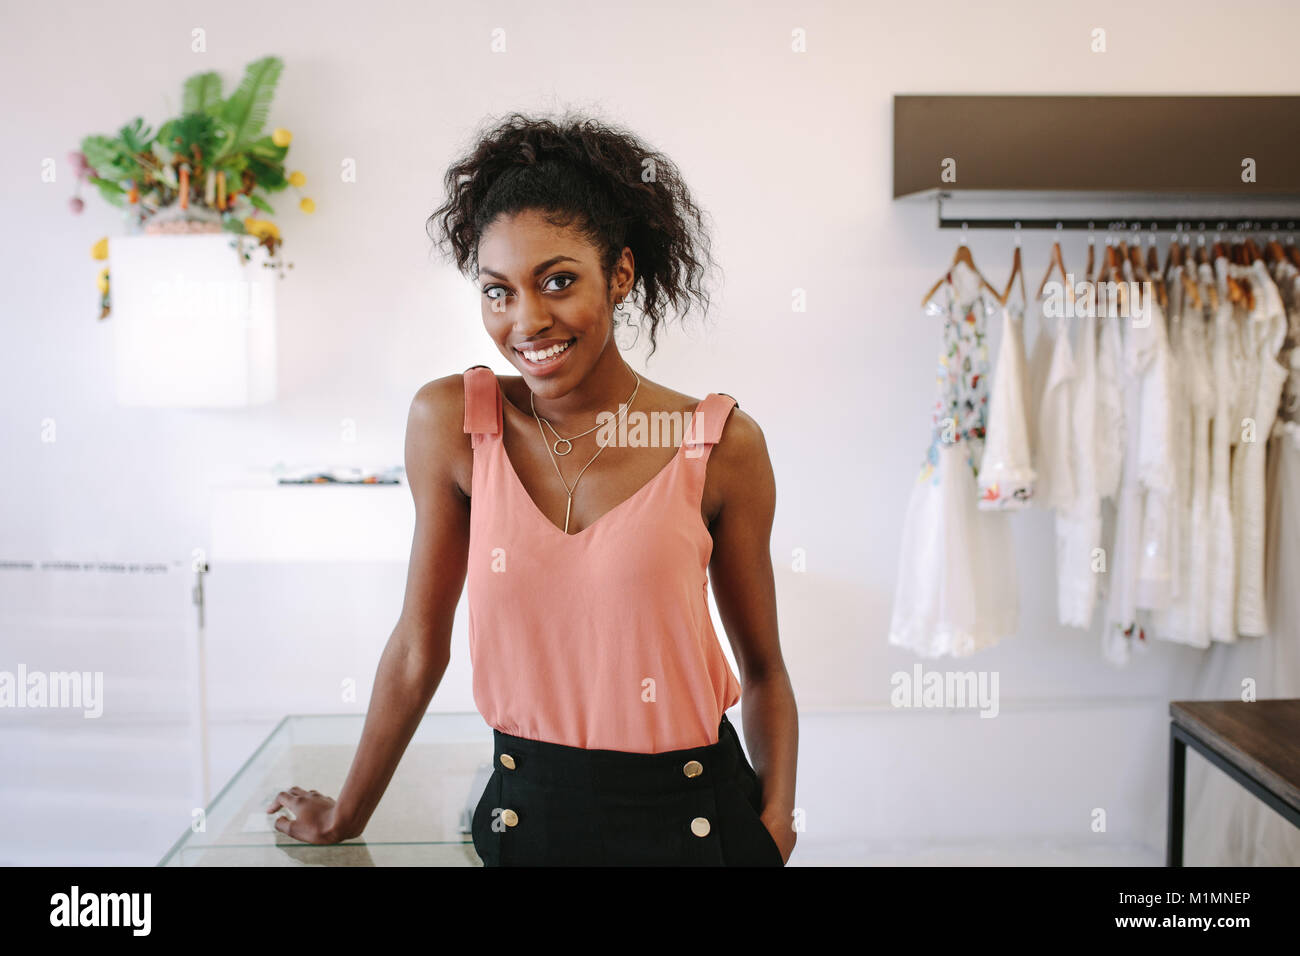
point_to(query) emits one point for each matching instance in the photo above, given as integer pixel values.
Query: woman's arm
(742, 490)
(419, 649)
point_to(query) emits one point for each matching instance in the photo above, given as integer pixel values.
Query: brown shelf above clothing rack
(1165, 163)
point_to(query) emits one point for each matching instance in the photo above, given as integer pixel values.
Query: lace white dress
(956, 590)
(1263, 333)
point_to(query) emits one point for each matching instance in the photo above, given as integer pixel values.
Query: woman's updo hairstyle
(606, 182)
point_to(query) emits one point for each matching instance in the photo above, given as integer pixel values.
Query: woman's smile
(543, 356)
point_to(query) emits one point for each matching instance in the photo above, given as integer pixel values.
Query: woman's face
(545, 302)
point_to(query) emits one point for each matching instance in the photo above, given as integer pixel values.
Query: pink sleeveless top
(600, 639)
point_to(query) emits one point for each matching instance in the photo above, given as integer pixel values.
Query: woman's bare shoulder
(742, 444)
(436, 443)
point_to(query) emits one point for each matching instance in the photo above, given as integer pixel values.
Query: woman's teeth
(545, 354)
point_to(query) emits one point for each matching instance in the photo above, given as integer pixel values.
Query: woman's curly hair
(616, 189)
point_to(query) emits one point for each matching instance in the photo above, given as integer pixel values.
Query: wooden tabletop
(1262, 738)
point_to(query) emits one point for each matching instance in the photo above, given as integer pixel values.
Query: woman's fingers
(286, 798)
(304, 807)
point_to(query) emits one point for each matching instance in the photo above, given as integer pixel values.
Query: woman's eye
(568, 280)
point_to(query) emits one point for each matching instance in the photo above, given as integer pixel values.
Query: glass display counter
(422, 820)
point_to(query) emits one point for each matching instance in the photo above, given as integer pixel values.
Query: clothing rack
(1133, 225)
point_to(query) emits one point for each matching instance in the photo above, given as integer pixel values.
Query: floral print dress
(961, 408)
(956, 589)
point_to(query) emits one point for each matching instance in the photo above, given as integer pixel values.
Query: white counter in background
(306, 584)
(256, 519)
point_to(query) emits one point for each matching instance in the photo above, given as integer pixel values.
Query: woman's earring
(621, 311)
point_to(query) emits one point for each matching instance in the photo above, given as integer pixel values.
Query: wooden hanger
(1178, 259)
(1109, 267)
(1134, 256)
(1239, 291)
(1175, 249)
(1273, 251)
(1054, 261)
(1235, 291)
(1201, 257)
(1016, 270)
(1157, 277)
(963, 255)
(1191, 274)
(1247, 254)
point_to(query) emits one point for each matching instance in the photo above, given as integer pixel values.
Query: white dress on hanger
(1039, 363)
(956, 590)
(1196, 332)
(1110, 404)
(1053, 459)
(1222, 547)
(1180, 449)
(1078, 525)
(1155, 462)
(1186, 619)
(1263, 334)
(1006, 474)
(1145, 445)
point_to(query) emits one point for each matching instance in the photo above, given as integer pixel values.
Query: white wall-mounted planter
(193, 323)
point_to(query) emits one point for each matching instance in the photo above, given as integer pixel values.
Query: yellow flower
(261, 228)
(281, 136)
(297, 179)
(307, 205)
(102, 280)
(100, 249)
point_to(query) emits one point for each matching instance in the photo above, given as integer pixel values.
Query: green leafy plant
(215, 156)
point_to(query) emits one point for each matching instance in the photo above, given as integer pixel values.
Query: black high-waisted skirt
(552, 805)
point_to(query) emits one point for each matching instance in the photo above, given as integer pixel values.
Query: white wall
(791, 155)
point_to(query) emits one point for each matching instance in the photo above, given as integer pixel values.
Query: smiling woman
(616, 192)
(595, 659)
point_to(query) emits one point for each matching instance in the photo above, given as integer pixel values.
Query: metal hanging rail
(1131, 224)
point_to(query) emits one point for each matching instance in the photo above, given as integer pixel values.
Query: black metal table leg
(1177, 792)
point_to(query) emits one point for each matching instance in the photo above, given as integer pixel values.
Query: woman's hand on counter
(315, 816)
